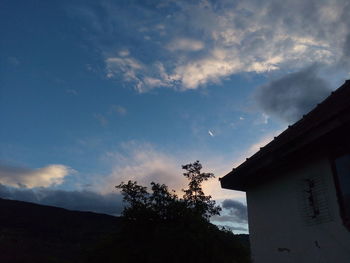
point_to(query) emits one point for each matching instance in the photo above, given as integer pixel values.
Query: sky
(93, 93)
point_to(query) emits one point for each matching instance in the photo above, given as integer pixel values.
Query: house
(298, 188)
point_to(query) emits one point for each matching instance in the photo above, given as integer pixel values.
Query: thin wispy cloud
(123, 53)
(72, 92)
(101, 119)
(118, 109)
(141, 162)
(261, 142)
(185, 44)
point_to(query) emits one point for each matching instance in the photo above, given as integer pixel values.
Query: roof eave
(284, 146)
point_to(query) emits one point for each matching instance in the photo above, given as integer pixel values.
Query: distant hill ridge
(18, 212)
(38, 233)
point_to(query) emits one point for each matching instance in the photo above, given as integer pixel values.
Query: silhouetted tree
(161, 227)
(161, 204)
(194, 195)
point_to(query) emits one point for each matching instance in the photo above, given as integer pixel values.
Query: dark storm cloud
(346, 20)
(237, 212)
(345, 63)
(293, 95)
(347, 46)
(73, 200)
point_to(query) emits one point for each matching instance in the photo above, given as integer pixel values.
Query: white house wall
(281, 223)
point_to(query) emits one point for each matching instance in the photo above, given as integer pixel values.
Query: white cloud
(42, 177)
(185, 44)
(154, 82)
(223, 39)
(123, 53)
(143, 77)
(144, 164)
(120, 110)
(72, 91)
(126, 66)
(262, 119)
(194, 73)
(101, 119)
(265, 118)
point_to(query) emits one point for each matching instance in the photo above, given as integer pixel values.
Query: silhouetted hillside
(37, 233)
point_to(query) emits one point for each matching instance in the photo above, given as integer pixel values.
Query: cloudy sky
(96, 92)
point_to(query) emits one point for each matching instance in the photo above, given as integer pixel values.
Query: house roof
(315, 131)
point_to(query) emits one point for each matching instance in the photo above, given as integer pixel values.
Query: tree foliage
(161, 204)
(159, 226)
(194, 195)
